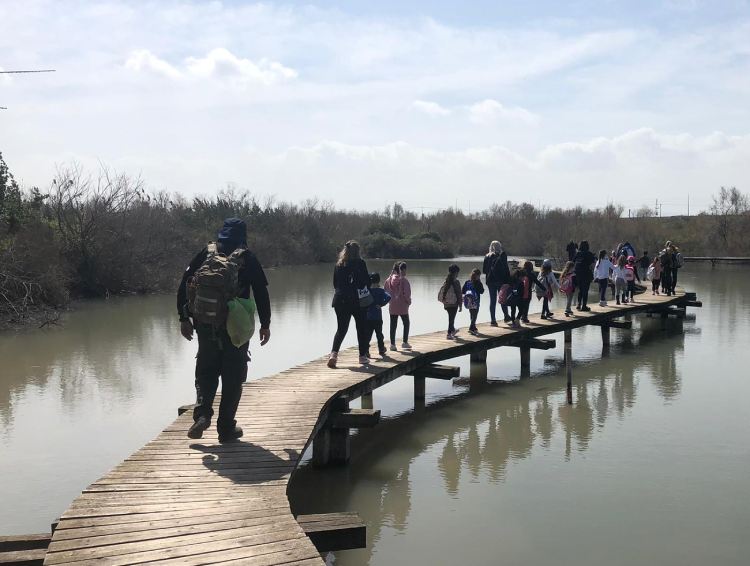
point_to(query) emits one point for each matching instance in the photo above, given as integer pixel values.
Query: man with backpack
(217, 274)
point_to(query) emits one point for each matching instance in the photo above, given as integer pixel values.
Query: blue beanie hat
(233, 233)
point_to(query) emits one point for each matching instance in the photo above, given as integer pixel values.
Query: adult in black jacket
(497, 274)
(349, 276)
(217, 356)
(584, 262)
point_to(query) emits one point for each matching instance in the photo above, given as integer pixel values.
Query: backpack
(447, 296)
(629, 274)
(502, 295)
(213, 285)
(470, 298)
(650, 272)
(678, 261)
(566, 284)
(541, 289)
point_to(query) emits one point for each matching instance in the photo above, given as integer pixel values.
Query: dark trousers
(344, 314)
(394, 324)
(666, 281)
(674, 280)
(493, 290)
(473, 314)
(451, 318)
(523, 308)
(655, 284)
(583, 291)
(545, 306)
(376, 327)
(217, 356)
(603, 284)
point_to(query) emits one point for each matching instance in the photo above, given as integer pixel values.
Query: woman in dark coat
(349, 277)
(584, 262)
(497, 274)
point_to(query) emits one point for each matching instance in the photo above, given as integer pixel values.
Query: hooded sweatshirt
(399, 289)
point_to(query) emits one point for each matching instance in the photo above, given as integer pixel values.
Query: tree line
(100, 233)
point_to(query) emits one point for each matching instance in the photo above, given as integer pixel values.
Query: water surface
(650, 464)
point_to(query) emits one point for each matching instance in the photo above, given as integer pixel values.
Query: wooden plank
(437, 371)
(33, 557)
(24, 542)
(534, 344)
(331, 532)
(355, 418)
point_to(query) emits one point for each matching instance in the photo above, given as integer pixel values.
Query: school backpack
(678, 261)
(541, 288)
(629, 274)
(650, 273)
(503, 293)
(470, 300)
(213, 285)
(447, 296)
(566, 284)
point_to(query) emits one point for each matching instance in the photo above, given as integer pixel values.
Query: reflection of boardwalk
(185, 502)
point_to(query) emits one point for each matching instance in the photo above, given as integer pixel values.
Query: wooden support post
(525, 361)
(331, 445)
(366, 401)
(478, 357)
(605, 335)
(569, 365)
(419, 388)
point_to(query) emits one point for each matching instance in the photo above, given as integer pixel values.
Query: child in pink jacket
(398, 287)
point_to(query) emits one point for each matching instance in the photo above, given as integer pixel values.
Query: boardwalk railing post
(569, 364)
(525, 361)
(366, 401)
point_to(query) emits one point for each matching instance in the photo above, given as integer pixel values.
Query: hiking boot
(196, 431)
(405, 345)
(393, 348)
(230, 435)
(332, 359)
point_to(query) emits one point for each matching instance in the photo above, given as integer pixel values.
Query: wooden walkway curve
(181, 501)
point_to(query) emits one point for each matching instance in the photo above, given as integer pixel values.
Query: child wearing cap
(375, 312)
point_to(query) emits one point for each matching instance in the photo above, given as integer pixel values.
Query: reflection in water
(489, 426)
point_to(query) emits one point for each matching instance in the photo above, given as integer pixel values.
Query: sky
(431, 104)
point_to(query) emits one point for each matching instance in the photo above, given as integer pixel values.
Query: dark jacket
(584, 260)
(379, 299)
(571, 248)
(347, 279)
(251, 275)
(495, 269)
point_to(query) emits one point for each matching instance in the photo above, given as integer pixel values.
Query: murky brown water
(650, 465)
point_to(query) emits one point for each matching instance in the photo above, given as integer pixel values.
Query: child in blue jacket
(471, 291)
(375, 312)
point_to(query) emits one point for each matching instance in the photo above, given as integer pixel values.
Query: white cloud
(220, 64)
(489, 111)
(143, 60)
(431, 108)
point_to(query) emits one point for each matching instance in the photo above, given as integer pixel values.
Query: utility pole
(688, 205)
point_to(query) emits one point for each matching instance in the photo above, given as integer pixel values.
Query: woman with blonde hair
(351, 284)
(497, 274)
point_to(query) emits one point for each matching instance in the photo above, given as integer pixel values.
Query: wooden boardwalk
(182, 501)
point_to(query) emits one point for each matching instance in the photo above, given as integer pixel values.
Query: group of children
(396, 293)
(515, 296)
(618, 272)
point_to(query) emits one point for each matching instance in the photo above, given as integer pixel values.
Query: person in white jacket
(602, 270)
(620, 279)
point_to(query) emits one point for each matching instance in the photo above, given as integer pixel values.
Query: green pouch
(241, 321)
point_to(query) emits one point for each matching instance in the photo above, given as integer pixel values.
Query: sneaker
(473, 331)
(586, 308)
(602, 303)
(406, 345)
(544, 316)
(393, 348)
(515, 324)
(230, 435)
(525, 320)
(332, 360)
(455, 332)
(196, 431)
(494, 322)
(507, 319)
(550, 314)
(618, 300)
(382, 352)
(449, 336)
(568, 313)
(364, 360)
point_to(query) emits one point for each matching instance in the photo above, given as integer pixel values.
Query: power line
(29, 71)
